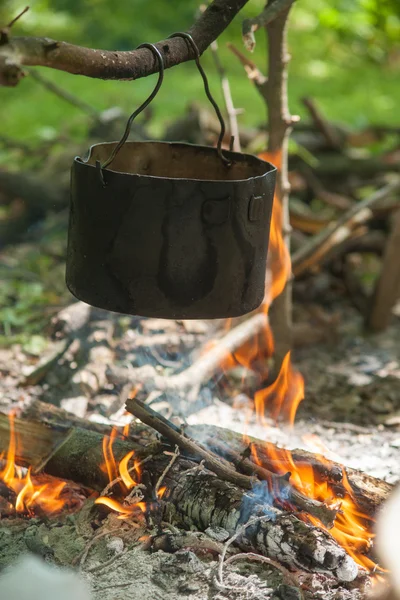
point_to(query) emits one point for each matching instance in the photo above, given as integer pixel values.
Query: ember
(24, 492)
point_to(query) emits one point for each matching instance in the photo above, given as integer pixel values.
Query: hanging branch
(105, 64)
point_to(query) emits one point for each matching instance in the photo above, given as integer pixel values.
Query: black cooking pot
(169, 230)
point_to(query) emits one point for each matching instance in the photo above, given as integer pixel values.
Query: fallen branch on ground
(312, 253)
(189, 381)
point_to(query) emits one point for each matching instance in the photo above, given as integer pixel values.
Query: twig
(4, 33)
(253, 72)
(108, 562)
(165, 472)
(13, 21)
(105, 64)
(313, 252)
(331, 136)
(264, 559)
(226, 89)
(92, 542)
(229, 542)
(213, 462)
(269, 14)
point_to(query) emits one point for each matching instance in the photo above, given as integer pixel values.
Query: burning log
(369, 492)
(279, 485)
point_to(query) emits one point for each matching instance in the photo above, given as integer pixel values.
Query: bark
(104, 64)
(279, 127)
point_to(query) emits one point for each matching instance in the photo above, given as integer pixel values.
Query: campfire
(299, 509)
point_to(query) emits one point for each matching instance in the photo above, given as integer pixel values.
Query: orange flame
(352, 528)
(283, 397)
(121, 472)
(29, 495)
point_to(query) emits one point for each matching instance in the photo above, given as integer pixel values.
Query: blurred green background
(345, 55)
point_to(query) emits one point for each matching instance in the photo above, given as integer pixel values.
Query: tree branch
(279, 127)
(105, 64)
(269, 14)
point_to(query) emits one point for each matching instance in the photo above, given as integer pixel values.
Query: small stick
(139, 410)
(165, 472)
(258, 557)
(253, 72)
(93, 541)
(226, 89)
(331, 136)
(5, 31)
(64, 94)
(13, 21)
(228, 543)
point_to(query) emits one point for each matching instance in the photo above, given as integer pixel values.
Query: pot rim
(272, 168)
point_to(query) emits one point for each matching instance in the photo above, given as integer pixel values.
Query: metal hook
(141, 108)
(188, 37)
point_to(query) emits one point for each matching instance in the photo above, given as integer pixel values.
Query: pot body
(163, 241)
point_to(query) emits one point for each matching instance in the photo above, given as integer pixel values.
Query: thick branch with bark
(105, 64)
(279, 127)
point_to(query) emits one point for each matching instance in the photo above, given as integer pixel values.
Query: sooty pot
(169, 230)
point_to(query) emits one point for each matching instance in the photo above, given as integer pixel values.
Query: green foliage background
(345, 54)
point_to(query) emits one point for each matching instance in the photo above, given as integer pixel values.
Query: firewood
(195, 498)
(278, 484)
(336, 233)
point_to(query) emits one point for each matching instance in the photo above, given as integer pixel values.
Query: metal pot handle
(141, 108)
(192, 43)
(159, 57)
